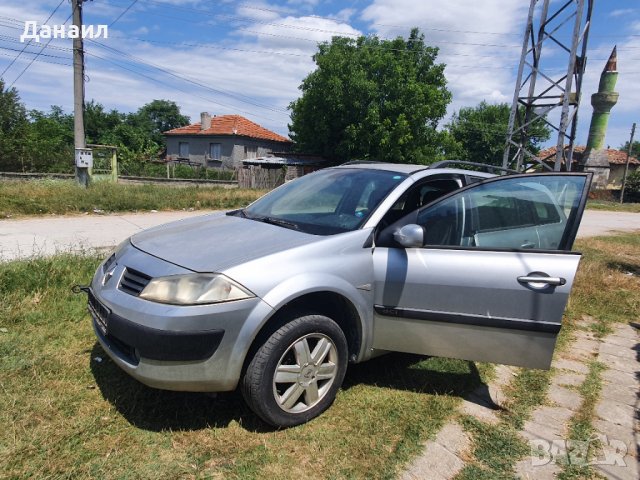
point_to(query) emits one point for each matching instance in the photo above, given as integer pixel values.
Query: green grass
(65, 415)
(613, 206)
(42, 197)
(607, 286)
(581, 425)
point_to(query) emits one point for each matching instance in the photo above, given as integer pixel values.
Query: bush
(632, 188)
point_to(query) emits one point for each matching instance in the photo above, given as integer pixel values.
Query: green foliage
(43, 141)
(477, 134)
(633, 184)
(13, 128)
(157, 117)
(635, 148)
(372, 99)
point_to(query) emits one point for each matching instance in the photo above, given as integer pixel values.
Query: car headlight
(194, 289)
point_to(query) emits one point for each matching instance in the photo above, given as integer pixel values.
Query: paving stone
(620, 351)
(574, 379)
(436, 462)
(619, 363)
(629, 472)
(622, 341)
(621, 433)
(537, 431)
(616, 412)
(554, 417)
(583, 346)
(618, 377)
(563, 397)
(480, 411)
(526, 469)
(453, 437)
(572, 365)
(625, 330)
(625, 394)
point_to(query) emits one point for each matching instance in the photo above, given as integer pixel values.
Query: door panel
(469, 304)
(472, 291)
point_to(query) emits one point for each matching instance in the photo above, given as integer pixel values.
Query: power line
(288, 12)
(34, 53)
(242, 98)
(123, 13)
(11, 55)
(30, 40)
(37, 55)
(188, 92)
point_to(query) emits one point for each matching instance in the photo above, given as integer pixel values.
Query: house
(222, 141)
(616, 158)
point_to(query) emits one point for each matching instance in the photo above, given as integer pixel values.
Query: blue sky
(249, 57)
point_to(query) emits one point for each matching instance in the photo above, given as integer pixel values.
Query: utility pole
(626, 166)
(82, 173)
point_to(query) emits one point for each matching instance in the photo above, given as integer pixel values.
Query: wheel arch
(325, 302)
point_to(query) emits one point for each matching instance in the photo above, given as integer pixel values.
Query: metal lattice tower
(540, 95)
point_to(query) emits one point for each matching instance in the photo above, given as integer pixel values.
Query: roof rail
(446, 163)
(360, 162)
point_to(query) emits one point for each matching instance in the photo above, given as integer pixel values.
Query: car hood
(213, 243)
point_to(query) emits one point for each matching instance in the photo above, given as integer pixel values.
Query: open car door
(483, 273)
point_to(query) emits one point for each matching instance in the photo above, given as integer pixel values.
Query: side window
(183, 149)
(514, 213)
(215, 151)
(418, 196)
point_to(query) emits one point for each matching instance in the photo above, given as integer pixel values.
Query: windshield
(325, 202)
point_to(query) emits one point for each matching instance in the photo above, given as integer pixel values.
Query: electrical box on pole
(544, 92)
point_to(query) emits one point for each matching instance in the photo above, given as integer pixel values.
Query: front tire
(295, 375)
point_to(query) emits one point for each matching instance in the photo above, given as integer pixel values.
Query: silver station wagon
(340, 266)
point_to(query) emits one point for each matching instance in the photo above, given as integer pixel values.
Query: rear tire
(295, 374)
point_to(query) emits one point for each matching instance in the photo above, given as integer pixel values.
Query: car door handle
(555, 281)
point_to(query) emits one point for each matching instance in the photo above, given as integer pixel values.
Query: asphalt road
(24, 238)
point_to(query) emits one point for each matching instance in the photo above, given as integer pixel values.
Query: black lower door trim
(469, 319)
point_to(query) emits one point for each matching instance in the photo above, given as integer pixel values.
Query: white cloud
(621, 12)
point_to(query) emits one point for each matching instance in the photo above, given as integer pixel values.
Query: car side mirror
(409, 236)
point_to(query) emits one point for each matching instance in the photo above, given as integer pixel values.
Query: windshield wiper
(238, 213)
(277, 221)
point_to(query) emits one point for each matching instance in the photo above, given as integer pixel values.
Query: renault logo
(108, 275)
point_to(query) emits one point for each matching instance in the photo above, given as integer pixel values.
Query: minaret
(595, 156)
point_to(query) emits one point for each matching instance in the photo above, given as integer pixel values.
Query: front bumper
(190, 348)
(135, 340)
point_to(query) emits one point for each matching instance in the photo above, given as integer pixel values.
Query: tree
(477, 134)
(49, 143)
(372, 99)
(14, 125)
(157, 117)
(635, 148)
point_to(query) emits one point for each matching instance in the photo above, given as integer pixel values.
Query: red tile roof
(616, 157)
(230, 125)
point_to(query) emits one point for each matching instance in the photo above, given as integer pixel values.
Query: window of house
(250, 151)
(183, 149)
(215, 151)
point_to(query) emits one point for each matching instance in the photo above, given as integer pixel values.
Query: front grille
(133, 282)
(100, 310)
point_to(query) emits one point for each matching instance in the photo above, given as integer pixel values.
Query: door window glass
(515, 213)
